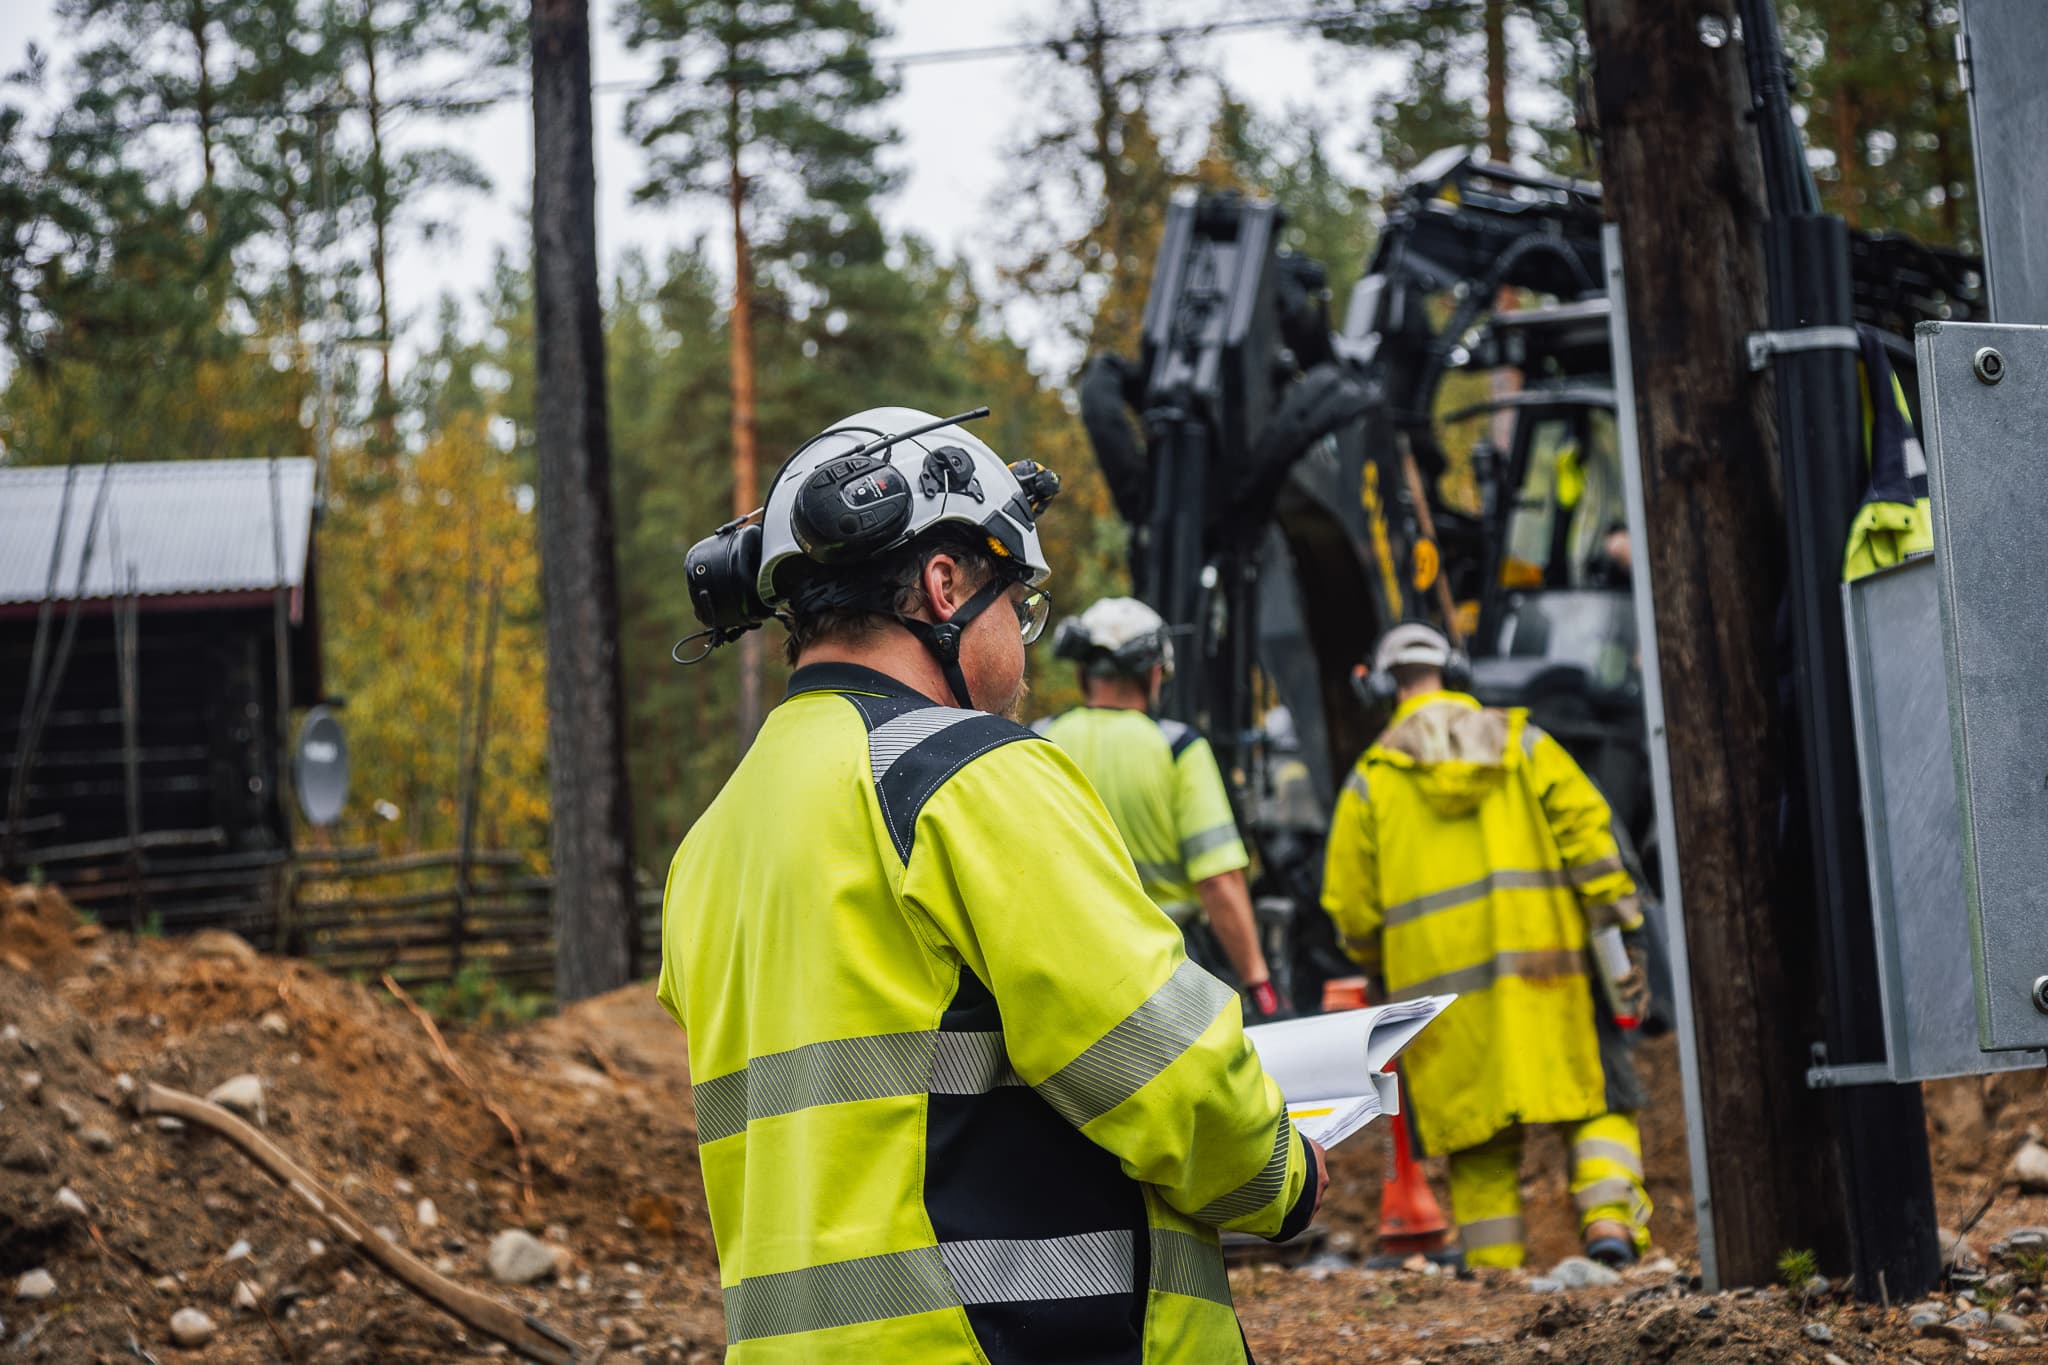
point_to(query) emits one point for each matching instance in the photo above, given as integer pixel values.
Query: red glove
(1267, 1002)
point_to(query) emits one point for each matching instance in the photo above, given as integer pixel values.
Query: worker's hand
(1267, 1003)
(1322, 1172)
(1635, 987)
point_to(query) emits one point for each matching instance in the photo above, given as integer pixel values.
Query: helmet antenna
(884, 442)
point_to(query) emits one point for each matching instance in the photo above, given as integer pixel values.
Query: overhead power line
(1081, 39)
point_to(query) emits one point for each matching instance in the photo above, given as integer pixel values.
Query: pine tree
(1095, 172)
(769, 103)
(375, 38)
(1466, 70)
(1886, 114)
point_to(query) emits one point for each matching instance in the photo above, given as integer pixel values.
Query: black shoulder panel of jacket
(1179, 736)
(914, 747)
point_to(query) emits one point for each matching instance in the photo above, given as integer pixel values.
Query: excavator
(1293, 485)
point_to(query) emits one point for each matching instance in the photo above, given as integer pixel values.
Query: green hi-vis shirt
(1160, 783)
(959, 1093)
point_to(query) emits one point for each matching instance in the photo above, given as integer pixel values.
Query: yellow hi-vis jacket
(1159, 781)
(960, 1095)
(1468, 853)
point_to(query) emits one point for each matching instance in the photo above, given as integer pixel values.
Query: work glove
(1266, 1004)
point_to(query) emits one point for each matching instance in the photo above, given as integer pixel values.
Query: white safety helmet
(1412, 643)
(880, 478)
(1116, 635)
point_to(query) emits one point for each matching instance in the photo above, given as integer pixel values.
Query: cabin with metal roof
(158, 624)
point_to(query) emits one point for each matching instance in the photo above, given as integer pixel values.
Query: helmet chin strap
(943, 639)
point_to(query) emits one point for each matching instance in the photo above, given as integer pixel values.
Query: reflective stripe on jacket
(959, 1093)
(1468, 853)
(1160, 783)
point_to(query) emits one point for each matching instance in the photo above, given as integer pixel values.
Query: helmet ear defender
(850, 510)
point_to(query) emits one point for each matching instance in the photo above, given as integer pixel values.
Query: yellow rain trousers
(1607, 1186)
(1468, 853)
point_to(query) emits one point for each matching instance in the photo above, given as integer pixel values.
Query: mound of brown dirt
(354, 1091)
(39, 931)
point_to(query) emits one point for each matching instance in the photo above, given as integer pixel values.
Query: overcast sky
(956, 120)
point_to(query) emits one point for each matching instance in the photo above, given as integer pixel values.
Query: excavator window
(1568, 502)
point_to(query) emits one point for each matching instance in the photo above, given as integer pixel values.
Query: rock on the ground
(1576, 1272)
(1923, 1318)
(245, 1297)
(1819, 1332)
(99, 1139)
(1658, 1329)
(1971, 1320)
(275, 1024)
(2029, 1168)
(34, 1286)
(518, 1257)
(1540, 1284)
(2012, 1324)
(68, 1114)
(243, 1094)
(626, 1332)
(69, 1199)
(426, 1215)
(219, 943)
(191, 1328)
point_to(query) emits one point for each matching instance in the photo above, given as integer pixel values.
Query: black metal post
(1881, 1128)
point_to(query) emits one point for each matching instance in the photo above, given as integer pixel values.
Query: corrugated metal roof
(187, 526)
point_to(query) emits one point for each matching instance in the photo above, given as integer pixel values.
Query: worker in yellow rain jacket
(1159, 780)
(1469, 854)
(960, 1096)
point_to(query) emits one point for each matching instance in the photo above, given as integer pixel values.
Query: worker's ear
(945, 586)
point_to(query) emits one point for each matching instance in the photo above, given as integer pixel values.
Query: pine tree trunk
(1497, 81)
(1848, 152)
(594, 912)
(1680, 166)
(745, 477)
(195, 21)
(1948, 165)
(380, 223)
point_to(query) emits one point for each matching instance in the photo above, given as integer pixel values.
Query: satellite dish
(320, 767)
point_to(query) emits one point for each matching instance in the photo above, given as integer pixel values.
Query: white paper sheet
(1329, 1066)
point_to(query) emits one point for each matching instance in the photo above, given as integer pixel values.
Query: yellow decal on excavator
(1427, 563)
(1382, 547)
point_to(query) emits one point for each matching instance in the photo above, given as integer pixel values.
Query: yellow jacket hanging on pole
(1468, 853)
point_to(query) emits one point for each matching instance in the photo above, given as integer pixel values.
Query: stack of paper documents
(1332, 1067)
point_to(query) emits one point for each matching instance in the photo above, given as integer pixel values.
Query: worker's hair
(854, 602)
(1407, 675)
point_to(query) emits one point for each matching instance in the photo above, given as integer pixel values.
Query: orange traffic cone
(1411, 1220)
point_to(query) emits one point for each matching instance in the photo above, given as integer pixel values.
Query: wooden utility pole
(1682, 177)
(595, 916)
(745, 473)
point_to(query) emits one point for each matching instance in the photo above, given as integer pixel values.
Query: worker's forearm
(1228, 906)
